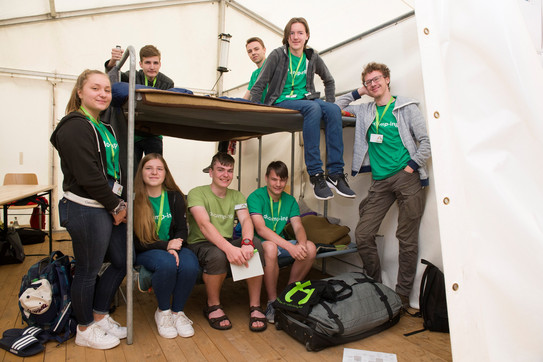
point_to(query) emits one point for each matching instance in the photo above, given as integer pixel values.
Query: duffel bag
(336, 310)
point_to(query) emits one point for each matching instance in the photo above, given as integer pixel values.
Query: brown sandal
(216, 322)
(257, 319)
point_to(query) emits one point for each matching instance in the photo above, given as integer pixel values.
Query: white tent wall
(483, 83)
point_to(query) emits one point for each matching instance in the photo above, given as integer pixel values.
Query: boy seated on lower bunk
(270, 209)
(211, 212)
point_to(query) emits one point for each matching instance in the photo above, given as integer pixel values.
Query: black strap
(383, 297)
(414, 332)
(344, 286)
(335, 317)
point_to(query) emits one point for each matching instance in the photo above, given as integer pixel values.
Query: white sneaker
(183, 325)
(165, 323)
(95, 337)
(112, 327)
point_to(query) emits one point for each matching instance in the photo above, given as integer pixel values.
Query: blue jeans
(313, 111)
(284, 252)
(169, 280)
(93, 236)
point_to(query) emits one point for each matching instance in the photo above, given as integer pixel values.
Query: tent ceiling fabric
(329, 22)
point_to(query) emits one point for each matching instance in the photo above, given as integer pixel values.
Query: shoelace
(184, 319)
(320, 180)
(97, 332)
(166, 320)
(111, 323)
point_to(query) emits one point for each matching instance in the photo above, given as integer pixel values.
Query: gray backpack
(336, 310)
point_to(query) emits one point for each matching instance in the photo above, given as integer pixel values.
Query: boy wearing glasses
(390, 135)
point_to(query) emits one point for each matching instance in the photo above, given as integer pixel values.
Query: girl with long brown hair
(160, 229)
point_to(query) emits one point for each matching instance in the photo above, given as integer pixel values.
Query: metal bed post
(130, 193)
(130, 52)
(292, 141)
(325, 206)
(258, 177)
(239, 166)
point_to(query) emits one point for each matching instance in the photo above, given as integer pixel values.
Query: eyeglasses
(374, 80)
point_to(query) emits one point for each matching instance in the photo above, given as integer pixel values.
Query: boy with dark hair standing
(149, 75)
(257, 52)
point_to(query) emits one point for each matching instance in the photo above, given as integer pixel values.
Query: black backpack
(46, 286)
(11, 248)
(432, 300)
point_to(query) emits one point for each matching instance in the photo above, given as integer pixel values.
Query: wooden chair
(21, 179)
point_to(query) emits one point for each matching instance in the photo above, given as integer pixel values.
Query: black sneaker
(270, 312)
(338, 182)
(320, 189)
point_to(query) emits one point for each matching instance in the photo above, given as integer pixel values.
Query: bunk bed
(178, 114)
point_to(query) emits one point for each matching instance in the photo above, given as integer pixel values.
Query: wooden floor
(236, 344)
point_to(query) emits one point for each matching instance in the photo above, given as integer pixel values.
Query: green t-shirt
(221, 211)
(252, 82)
(112, 150)
(164, 228)
(390, 156)
(297, 89)
(276, 220)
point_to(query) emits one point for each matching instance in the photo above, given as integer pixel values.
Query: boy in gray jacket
(390, 135)
(289, 74)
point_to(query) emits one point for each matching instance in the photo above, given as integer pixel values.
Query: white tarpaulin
(478, 76)
(484, 86)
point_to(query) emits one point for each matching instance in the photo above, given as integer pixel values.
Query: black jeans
(93, 236)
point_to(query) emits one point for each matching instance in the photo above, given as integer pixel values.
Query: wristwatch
(247, 241)
(119, 208)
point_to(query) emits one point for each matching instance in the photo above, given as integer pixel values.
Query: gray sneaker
(270, 312)
(339, 183)
(320, 189)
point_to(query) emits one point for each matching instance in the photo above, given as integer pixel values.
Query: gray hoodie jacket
(411, 127)
(274, 72)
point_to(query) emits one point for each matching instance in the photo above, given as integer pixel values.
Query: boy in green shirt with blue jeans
(271, 208)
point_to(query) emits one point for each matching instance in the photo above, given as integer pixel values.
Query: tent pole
(221, 26)
(369, 32)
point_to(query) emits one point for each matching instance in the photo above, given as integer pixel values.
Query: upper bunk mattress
(207, 118)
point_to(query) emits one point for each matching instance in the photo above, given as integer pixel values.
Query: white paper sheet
(359, 355)
(243, 272)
